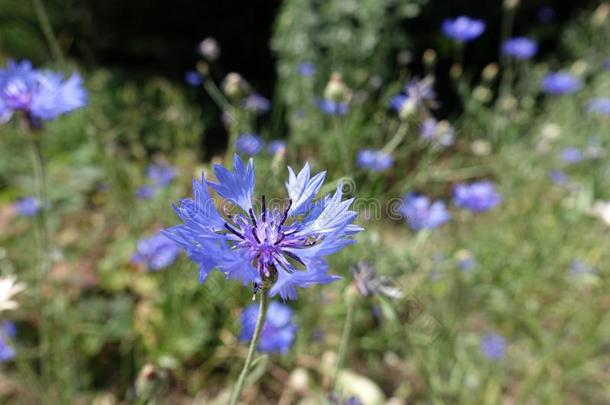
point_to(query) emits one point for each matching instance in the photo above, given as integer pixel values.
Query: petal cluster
(560, 83)
(283, 241)
(477, 197)
(463, 28)
(421, 213)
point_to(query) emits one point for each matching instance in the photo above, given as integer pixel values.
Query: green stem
(347, 331)
(396, 139)
(262, 312)
(47, 30)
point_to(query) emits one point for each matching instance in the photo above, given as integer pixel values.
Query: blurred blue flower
(278, 331)
(7, 331)
(416, 93)
(193, 78)
(559, 177)
(330, 107)
(579, 268)
(249, 144)
(156, 252)
(375, 160)
(42, 95)
(306, 69)
(27, 206)
(290, 244)
(160, 174)
(421, 213)
(465, 260)
(559, 83)
(257, 103)
(571, 155)
(546, 14)
(520, 48)
(145, 192)
(276, 147)
(599, 105)
(440, 132)
(477, 197)
(463, 28)
(606, 64)
(493, 346)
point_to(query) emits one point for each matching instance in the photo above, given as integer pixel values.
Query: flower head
(27, 206)
(8, 331)
(441, 133)
(257, 103)
(306, 69)
(479, 196)
(599, 105)
(278, 331)
(463, 28)
(249, 144)
(9, 287)
(157, 252)
(209, 49)
(42, 95)
(375, 160)
(331, 107)
(160, 174)
(193, 78)
(421, 213)
(416, 93)
(559, 83)
(288, 244)
(145, 192)
(493, 346)
(571, 155)
(275, 147)
(520, 48)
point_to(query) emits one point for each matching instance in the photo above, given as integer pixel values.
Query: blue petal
(287, 283)
(236, 186)
(301, 189)
(334, 216)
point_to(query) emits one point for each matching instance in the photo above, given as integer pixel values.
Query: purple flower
(42, 95)
(477, 197)
(559, 177)
(157, 252)
(520, 48)
(421, 213)
(416, 93)
(493, 346)
(276, 147)
(375, 160)
(160, 175)
(193, 78)
(257, 103)
(145, 192)
(599, 105)
(559, 83)
(440, 132)
(463, 28)
(571, 155)
(330, 107)
(278, 331)
(249, 144)
(306, 69)
(288, 243)
(579, 268)
(7, 331)
(27, 206)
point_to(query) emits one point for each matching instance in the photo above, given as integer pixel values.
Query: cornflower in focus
(285, 247)
(41, 95)
(421, 213)
(278, 330)
(479, 196)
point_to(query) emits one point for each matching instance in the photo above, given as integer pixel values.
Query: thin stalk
(401, 132)
(341, 143)
(347, 331)
(47, 30)
(262, 312)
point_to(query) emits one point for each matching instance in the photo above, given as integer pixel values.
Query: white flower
(9, 287)
(601, 210)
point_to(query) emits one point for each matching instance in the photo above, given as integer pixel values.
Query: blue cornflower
(249, 144)
(559, 83)
(193, 78)
(375, 160)
(493, 346)
(599, 105)
(41, 95)
(276, 147)
(157, 252)
(477, 197)
(421, 213)
(463, 28)
(278, 331)
(7, 331)
(289, 244)
(439, 132)
(559, 177)
(160, 174)
(257, 103)
(27, 206)
(145, 192)
(416, 93)
(571, 155)
(306, 69)
(331, 107)
(520, 48)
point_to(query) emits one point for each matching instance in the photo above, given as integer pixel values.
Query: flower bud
(209, 49)
(336, 90)
(235, 87)
(490, 72)
(429, 58)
